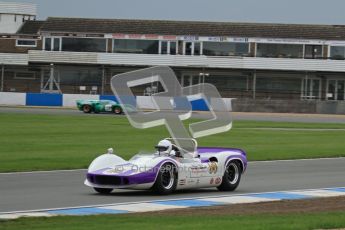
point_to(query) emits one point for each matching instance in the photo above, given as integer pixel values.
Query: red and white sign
(119, 35)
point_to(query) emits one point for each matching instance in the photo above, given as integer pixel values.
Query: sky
(271, 11)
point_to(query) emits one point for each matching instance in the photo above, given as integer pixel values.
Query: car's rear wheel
(117, 110)
(232, 176)
(103, 190)
(87, 109)
(166, 180)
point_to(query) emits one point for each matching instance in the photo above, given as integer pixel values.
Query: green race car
(98, 106)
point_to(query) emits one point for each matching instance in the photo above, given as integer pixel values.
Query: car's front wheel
(166, 180)
(103, 190)
(87, 109)
(232, 176)
(117, 110)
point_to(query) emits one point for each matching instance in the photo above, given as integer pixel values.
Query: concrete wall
(236, 105)
(197, 103)
(43, 99)
(279, 106)
(331, 107)
(292, 106)
(12, 98)
(69, 100)
(144, 102)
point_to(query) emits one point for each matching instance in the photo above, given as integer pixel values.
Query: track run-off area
(279, 117)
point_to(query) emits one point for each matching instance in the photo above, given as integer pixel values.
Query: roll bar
(172, 140)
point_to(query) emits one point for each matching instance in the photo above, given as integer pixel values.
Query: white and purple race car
(170, 168)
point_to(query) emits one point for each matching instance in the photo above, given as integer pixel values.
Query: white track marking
(25, 214)
(319, 193)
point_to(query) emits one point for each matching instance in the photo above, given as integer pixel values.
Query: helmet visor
(161, 148)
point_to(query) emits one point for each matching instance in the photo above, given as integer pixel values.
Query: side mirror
(110, 151)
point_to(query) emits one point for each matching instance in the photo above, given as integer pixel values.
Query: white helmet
(164, 147)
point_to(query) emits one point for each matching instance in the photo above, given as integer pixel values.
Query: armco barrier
(69, 100)
(108, 97)
(12, 98)
(145, 102)
(43, 99)
(199, 105)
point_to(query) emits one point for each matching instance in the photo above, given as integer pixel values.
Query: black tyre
(103, 190)
(232, 176)
(87, 109)
(117, 110)
(166, 181)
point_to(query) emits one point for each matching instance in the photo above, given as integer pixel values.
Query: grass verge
(327, 220)
(47, 142)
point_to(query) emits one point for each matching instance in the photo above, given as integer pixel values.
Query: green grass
(46, 142)
(143, 222)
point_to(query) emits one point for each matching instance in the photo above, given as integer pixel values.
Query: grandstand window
(164, 47)
(26, 43)
(278, 84)
(136, 46)
(337, 52)
(83, 44)
(313, 51)
(228, 82)
(197, 48)
(225, 49)
(278, 87)
(56, 44)
(24, 75)
(188, 48)
(279, 50)
(167, 47)
(52, 44)
(230, 85)
(47, 44)
(173, 48)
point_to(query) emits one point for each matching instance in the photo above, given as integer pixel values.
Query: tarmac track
(58, 189)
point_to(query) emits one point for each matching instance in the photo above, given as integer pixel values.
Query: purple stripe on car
(202, 150)
(214, 150)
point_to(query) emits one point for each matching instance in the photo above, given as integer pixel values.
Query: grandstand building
(267, 67)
